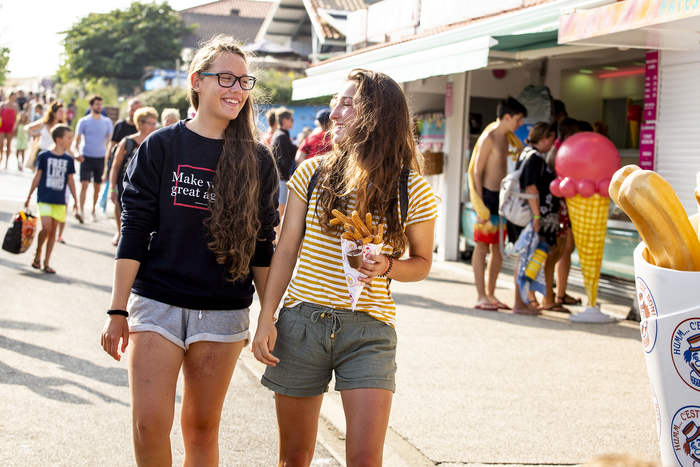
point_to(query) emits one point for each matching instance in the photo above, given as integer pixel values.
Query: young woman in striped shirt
(316, 333)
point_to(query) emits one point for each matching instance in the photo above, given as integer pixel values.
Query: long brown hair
(368, 161)
(233, 221)
(50, 115)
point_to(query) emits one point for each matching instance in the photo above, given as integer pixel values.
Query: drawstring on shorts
(336, 324)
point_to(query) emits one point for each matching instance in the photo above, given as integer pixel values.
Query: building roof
(431, 31)
(341, 5)
(321, 14)
(528, 3)
(449, 49)
(246, 8)
(295, 18)
(241, 28)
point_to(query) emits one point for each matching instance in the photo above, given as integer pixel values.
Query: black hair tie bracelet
(118, 312)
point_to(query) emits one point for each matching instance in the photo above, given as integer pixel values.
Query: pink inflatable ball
(603, 187)
(587, 156)
(554, 187)
(567, 187)
(586, 188)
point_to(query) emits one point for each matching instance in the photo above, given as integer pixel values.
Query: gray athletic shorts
(284, 192)
(313, 341)
(183, 326)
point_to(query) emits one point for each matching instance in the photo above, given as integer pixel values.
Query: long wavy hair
(50, 118)
(233, 222)
(379, 143)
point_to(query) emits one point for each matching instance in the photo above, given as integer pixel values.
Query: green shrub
(166, 97)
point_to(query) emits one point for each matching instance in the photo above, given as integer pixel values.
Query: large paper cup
(669, 305)
(352, 275)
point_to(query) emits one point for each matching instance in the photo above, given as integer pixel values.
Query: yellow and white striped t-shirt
(320, 277)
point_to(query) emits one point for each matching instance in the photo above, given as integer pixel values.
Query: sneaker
(94, 217)
(79, 217)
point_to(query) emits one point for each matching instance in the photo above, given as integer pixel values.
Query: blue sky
(30, 28)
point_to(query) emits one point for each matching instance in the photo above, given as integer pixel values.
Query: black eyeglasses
(228, 80)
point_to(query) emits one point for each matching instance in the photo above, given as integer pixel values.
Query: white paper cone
(669, 305)
(351, 274)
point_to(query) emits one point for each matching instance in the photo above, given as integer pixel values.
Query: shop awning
(402, 65)
(525, 42)
(456, 49)
(646, 24)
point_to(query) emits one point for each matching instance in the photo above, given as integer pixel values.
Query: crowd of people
(288, 153)
(550, 220)
(93, 145)
(16, 111)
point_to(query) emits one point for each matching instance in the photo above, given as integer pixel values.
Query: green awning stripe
(522, 42)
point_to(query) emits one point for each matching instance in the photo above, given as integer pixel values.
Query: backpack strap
(403, 195)
(312, 185)
(310, 191)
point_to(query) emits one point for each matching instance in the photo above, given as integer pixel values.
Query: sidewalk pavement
(473, 387)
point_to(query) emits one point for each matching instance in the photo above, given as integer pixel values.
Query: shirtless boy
(489, 169)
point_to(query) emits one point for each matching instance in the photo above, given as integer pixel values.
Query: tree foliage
(4, 59)
(167, 97)
(275, 87)
(119, 45)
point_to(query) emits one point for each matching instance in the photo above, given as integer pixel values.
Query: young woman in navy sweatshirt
(199, 212)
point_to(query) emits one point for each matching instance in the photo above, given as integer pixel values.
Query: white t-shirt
(45, 139)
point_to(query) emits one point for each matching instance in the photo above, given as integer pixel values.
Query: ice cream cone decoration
(585, 163)
(589, 219)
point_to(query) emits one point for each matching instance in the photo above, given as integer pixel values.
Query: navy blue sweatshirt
(164, 205)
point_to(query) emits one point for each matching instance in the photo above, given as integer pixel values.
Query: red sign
(647, 137)
(651, 86)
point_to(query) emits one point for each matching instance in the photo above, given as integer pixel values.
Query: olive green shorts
(313, 341)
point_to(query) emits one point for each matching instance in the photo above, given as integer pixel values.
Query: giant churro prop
(667, 276)
(585, 163)
(487, 231)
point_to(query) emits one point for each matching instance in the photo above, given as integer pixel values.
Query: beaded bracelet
(388, 268)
